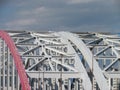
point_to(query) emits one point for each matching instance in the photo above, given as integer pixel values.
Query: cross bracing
(61, 61)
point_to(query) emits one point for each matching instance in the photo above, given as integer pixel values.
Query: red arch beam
(17, 60)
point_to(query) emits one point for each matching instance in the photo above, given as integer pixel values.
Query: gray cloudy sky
(59, 15)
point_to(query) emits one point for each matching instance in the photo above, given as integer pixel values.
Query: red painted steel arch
(17, 60)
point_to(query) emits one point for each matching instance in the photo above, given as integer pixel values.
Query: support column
(13, 74)
(0, 63)
(76, 84)
(109, 82)
(3, 70)
(8, 71)
(69, 84)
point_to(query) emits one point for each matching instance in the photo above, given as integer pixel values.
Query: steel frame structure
(59, 61)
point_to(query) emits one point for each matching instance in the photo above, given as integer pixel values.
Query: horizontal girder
(60, 60)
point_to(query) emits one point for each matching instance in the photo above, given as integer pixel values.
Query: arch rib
(102, 82)
(17, 60)
(79, 66)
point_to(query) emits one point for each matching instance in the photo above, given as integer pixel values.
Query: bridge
(59, 60)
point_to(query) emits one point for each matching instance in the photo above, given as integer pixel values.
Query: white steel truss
(63, 61)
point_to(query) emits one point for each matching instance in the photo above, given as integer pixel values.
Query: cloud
(80, 1)
(21, 22)
(88, 28)
(33, 11)
(3, 2)
(40, 9)
(56, 15)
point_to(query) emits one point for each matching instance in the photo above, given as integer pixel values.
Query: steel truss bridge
(59, 61)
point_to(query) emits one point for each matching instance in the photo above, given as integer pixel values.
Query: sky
(60, 15)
